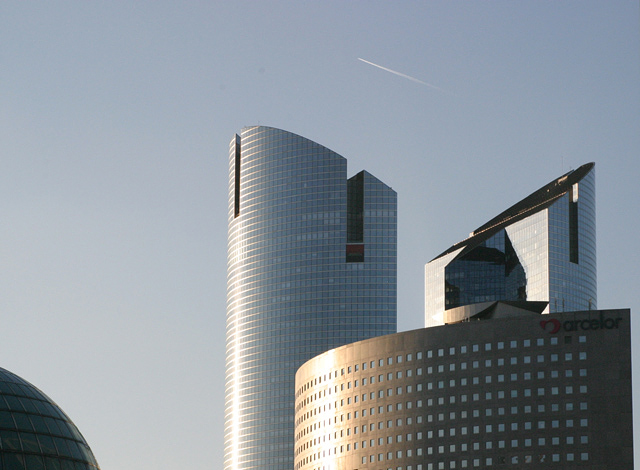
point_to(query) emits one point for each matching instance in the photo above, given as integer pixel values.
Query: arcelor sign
(554, 325)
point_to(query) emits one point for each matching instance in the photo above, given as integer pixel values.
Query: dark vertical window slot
(573, 231)
(237, 179)
(355, 219)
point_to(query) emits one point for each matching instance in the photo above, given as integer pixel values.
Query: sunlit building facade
(515, 390)
(541, 249)
(311, 266)
(35, 434)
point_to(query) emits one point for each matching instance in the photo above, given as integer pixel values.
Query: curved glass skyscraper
(541, 249)
(311, 266)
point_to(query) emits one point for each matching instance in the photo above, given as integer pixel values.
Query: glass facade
(541, 249)
(35, 434)
(300, 281)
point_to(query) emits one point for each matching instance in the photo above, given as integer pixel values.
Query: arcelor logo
(553, 325)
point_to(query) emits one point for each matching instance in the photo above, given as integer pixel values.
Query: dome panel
(35, 434)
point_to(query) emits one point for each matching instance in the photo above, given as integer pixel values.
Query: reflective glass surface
(291, 292)
(573, 286)
(35, 434)
(548, 255)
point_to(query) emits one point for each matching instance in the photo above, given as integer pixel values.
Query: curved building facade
(541, 249)
(35, 434)
(311, 266)
(514, 392)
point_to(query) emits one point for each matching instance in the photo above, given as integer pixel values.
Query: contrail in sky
(413, 79)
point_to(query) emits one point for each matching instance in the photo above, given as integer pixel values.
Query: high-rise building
(35, 433)
(515, 390)
(311, 266)
(541, 249)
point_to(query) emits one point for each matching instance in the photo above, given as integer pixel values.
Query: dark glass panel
(61, 445)
(10, 440)
(75, 452)
(13, 461)
(52, 464)
(42, 408)
(86, 453)
(30, 405)
(38, 424)
(14, 403)
(355, 209)
(27, 391)
(67, 465)
(573, 232)
(34, 462)
(22, 422)
(6, 420)
(15, 389)
(237, 178)
(52, 424)
(29, 442)
(64, 429)
(76, 433)
(47, 445)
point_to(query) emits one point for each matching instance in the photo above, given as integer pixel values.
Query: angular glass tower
(311, 266)
(541, 249)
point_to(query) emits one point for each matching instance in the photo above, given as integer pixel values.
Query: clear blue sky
(115, 119)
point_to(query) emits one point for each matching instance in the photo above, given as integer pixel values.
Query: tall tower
(541, 249)
(311, 266)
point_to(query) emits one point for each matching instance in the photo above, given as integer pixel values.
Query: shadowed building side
(512, 389)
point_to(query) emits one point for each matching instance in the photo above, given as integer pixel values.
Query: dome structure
(35, 434)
